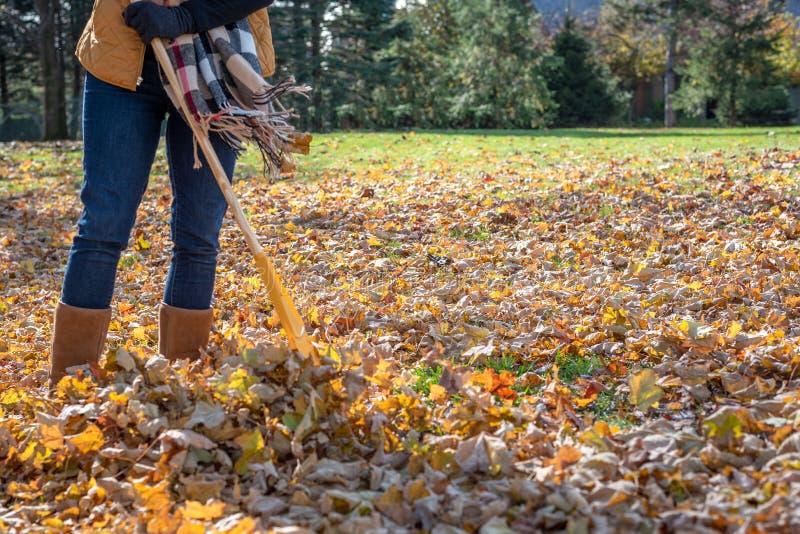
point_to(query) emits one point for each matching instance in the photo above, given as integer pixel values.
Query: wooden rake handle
(287, 314)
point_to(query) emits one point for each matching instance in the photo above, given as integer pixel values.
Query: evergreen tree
(585, 94)
(472, 64)
(421, 79)
(298, 28)
(497, 66)
(361, 33)
(730, 65)
(337, 47)
(17, 53)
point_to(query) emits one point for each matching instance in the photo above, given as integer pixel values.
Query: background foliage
(463, 64)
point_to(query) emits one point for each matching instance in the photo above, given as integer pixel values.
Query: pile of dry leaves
(585, 348)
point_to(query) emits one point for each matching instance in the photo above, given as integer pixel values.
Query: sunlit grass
(480, 151)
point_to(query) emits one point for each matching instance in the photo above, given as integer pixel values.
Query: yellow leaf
(142, 243)
(733, 330)
(90, 440)
(204, 512)
(199, 488)
(141, 333)
(644, 391)
(163, 522)
(9, 397)
(153, 497)
(724, 423)
(246, 526)
(313, 316)
(617, 498)
(596, 434)
(374, 242)
(254, 281)
(251, 443)
(191, 527)
(777, 335)
(417, 490)
(119, 398)
(28, 453)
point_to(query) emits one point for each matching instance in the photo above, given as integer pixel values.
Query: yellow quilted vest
(113, 52)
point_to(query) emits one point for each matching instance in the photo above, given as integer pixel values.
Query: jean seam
(174, 221)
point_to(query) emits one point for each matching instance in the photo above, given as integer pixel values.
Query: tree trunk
(670, 120)
(52, 72)
(4, 97)
(298, 52)
(79, 14)
(317, 12)
(733, 115)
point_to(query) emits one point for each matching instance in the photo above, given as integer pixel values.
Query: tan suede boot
(183, 333)
(78, 338)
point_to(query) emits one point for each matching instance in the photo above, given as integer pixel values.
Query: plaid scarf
(223, 88)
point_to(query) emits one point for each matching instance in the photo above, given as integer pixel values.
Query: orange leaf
(566, 455)
(437, 393)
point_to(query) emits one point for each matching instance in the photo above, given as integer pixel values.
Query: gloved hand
(151, 21)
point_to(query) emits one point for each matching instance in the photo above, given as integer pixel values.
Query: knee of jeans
(111, 231)
(196, 241)
(195, 250)
(82, 243)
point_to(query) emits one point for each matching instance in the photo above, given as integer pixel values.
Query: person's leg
(121, 130)
(120, 133)
(198, 208)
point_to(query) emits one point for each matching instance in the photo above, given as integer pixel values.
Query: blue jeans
(121, 130)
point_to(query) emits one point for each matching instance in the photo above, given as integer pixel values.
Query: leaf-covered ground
(591, 331)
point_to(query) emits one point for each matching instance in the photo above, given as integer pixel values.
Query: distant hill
(554, 10)
(560, 6)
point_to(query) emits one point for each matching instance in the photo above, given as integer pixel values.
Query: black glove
(151, 21)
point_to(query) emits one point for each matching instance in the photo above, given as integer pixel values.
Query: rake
(290, 320)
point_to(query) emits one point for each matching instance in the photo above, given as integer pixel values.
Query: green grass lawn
(438, 152)
(486, 151)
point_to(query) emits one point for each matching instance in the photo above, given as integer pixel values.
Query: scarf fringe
(269, 128)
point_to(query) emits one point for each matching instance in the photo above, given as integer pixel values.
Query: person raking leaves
(223, 53)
